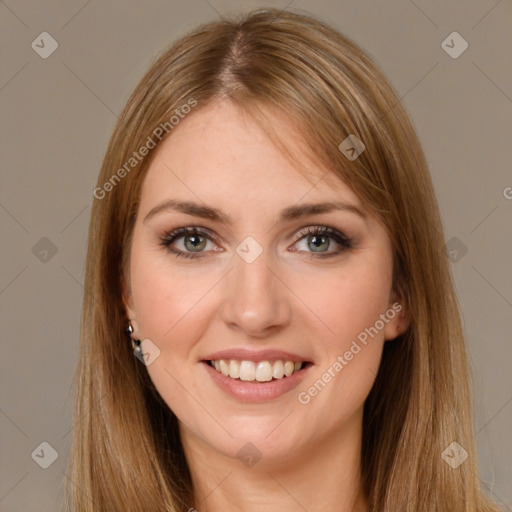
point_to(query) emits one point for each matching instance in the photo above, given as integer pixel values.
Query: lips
(254, 376)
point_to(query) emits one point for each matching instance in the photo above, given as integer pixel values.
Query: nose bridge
(255, 298)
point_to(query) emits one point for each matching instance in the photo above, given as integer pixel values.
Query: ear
(398, 316)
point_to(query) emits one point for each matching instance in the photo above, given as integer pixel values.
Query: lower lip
(255, 391)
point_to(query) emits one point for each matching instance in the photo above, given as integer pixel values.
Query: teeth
(224, 368)
(288, 368)
(247, 370)
(278, 370)
(234, 369)
(262, 371)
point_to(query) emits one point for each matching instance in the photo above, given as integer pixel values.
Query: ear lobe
(398, 323)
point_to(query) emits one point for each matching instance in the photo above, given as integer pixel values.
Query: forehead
(221, 155)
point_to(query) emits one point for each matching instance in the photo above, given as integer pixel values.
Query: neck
(323, 477)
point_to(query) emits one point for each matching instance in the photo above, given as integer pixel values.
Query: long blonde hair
(126, 451)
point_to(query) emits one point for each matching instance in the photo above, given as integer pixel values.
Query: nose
(256, 300)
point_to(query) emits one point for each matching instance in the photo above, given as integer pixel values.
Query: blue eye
(317, 237)
(195, 240)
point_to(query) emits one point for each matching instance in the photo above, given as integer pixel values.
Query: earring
(398, 329)
(135, 343)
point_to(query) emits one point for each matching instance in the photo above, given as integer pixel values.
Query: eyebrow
(288, 214)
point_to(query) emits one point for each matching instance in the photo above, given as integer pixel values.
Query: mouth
(256, 376)
(257, 371)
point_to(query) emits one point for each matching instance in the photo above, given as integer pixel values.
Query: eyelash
(344, 241)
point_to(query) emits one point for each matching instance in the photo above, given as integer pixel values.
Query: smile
(255, 371)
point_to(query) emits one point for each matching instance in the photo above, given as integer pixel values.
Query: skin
(285, 300)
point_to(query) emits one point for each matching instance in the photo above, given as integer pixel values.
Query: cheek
(169, 300)
(350, 304)
(351, 299)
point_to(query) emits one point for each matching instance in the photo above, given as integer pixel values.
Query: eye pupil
(196, 241)
(317, 241)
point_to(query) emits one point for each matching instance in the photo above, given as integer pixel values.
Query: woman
(265, 232)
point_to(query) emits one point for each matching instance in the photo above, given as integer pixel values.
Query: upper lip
(244, 354)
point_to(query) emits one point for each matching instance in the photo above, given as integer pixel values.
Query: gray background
(58, 113)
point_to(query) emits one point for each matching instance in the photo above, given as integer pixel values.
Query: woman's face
(260, 285)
